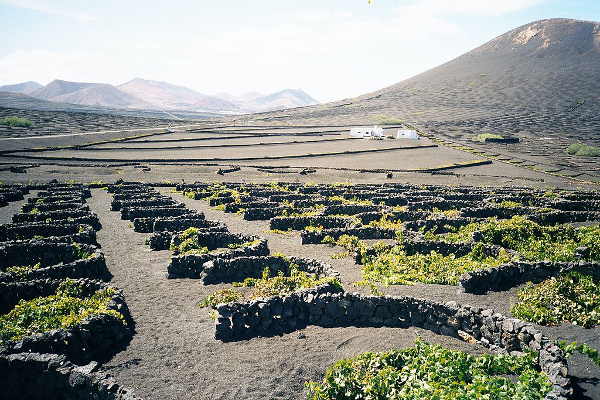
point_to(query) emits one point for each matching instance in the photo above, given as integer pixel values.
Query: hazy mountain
(146, 94)
(58, 87)
(166, 95)
(102, 94)
(23, 87)
(288, 98)
(258, 102)
(86, 93)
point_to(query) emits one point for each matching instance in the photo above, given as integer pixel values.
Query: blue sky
(331, 48)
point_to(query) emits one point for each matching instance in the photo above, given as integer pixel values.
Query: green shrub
(22, 271)
(63, 310)
(349, 242)
(188, 243)
(268, 286)
(385, 223)
(352, 201)
(428, 371)
(583, 348)
(583, 150)
(244, 244)
(532, 241)
(436, 213)
(312, 228)
(395, 267)
(81, 254)
(16, 121)
(572, 297)
(280, 232)
(509, 204)
(386, 120)
(483, 136)
(220, 297)
(305, 213)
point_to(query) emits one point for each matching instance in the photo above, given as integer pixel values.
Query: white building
(367, 132)
(407, 134)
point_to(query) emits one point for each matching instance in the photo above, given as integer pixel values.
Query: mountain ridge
(139, 93)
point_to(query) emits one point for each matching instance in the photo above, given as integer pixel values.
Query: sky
(332, 49)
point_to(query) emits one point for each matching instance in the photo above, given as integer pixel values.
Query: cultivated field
(350, 268)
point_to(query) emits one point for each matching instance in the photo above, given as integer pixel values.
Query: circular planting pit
(228, 270)
(36, 376)
(34, 259)
(100, 326)
(192, 265)
(80, 216)
(49, 232)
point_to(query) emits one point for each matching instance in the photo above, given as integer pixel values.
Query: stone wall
(517, 273)
(263, 214)
(79, 216)
(10, 195)
(235, 207)
(52, 232)
(93, 267)
(116, 205)
(191, 265)
(36, 376)
(369, 232)
(34, 251)
(564, 217)
(57, 206)
(299, 223)
(154, 212)
(223, 270)
(161, 240)
(350, 209)
(58, 198)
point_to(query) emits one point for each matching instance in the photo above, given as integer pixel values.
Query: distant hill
(168, 96)
(256, 102)
(24, 87)
(288, 98)
(25, 102)
(86, 93)
(154, 95)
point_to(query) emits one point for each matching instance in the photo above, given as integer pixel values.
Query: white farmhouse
(374, 132)
(407, 134)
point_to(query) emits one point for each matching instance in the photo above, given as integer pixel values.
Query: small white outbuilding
(407, 134)
(367, 132)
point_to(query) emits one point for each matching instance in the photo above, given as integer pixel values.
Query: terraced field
(173, 253)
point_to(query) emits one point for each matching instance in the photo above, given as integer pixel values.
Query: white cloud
(53, 7)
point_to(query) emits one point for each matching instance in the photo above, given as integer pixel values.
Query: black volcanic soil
(174, 355)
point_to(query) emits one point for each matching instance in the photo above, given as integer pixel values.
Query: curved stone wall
(36, 376)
